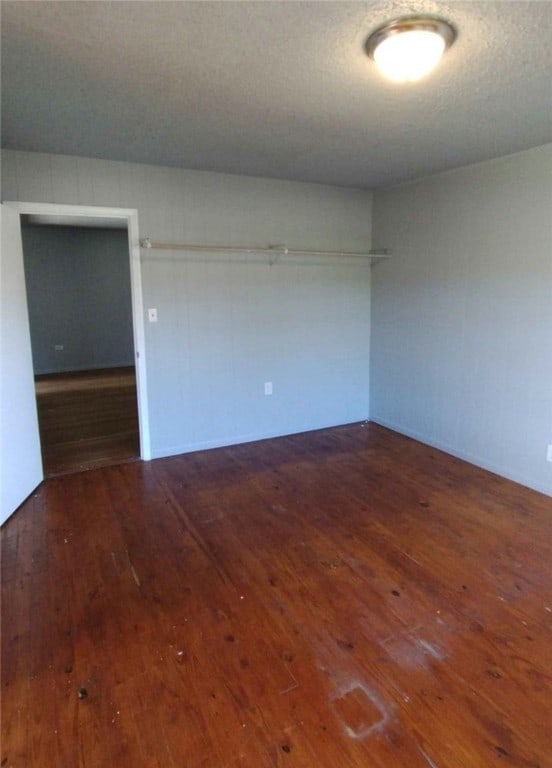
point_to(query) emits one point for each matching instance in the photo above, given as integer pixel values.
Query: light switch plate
(152, 315)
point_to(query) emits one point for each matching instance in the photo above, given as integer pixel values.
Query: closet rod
(274, 250)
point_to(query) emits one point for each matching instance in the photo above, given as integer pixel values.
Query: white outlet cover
(268, 388)
(549, 453)
(152, 315)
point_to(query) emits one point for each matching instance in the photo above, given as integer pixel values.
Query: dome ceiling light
(408, 49)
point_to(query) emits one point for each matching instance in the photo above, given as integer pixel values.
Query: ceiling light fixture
(407, 49)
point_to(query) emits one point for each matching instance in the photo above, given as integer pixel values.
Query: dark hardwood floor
(346, 598)
(87, 419)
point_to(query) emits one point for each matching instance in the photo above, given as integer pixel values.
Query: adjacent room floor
(87, 419)
(347, 598)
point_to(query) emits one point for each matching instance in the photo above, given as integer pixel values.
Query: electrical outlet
(152, 315)
(549, 453)
(268, 388)
(58, 347)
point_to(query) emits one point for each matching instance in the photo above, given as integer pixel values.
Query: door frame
(130, 216)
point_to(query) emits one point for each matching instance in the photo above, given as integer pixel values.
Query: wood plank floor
(347, 598)
(87, 419)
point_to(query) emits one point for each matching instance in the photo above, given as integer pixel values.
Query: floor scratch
(377, 714)
(427, 758)
(168, 750)
(291, 688)
(133, 570)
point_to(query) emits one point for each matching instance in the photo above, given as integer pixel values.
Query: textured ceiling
(278, 89)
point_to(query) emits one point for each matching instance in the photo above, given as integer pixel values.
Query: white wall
(226, 327)
(461, 345)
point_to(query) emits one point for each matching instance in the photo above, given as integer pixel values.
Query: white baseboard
(251, 437)
(466, 456)
(79, 368)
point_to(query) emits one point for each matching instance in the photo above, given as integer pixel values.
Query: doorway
(83, 285)
(80, 318)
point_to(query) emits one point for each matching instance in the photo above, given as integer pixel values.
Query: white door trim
(130, 215)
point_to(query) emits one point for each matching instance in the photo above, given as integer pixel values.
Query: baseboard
(250, 437)
(465, 456)
(80, 369)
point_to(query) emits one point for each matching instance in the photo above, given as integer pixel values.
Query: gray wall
(226, 327)
(78, 294)
(461, 346)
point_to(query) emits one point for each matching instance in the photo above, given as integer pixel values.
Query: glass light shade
(408, 56)
(407, 49)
